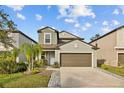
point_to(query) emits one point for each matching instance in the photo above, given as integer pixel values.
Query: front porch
(49, 56)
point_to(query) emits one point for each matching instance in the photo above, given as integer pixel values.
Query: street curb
(112, 74)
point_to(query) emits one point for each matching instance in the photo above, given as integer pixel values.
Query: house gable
(67, 35)
(76, 45)
(53, 35)
(47, 29)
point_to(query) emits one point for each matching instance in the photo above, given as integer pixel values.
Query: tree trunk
(32, 64)
(29, 65)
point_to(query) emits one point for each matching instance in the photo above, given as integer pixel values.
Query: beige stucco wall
(66, 35)
(107, 50)
(53, 36)
(57, 56)
(23, 39)
(76, 46)
(19, 39)
(120, 38)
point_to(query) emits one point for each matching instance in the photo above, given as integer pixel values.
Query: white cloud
(75, 11)
(38, 17)
(122, 9)
(69, 20)
(84, 28)
(115, 22)
(78, 11)
(105, 23)
(49, 6)
(77, 25)
(16, 7)
(20, 16)
(116, 12)
(88, 25)
(105, 29)
(63, 10)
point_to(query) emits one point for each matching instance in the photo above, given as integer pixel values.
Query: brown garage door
(76, 60)
(121, 58)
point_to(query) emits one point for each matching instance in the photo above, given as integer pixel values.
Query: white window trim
(45, 38)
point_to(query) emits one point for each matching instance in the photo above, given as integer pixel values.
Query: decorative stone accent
(54, 80)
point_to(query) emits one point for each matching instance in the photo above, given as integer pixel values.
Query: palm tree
(14, 53)
(36, 53)
(27, 50)
(38, 50)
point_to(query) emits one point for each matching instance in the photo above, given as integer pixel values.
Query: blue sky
(84, 21)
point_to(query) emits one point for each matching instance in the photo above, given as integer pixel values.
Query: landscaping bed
(115, 70)
(21, 80)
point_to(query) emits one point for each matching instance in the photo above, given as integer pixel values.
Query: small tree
(6, 25)
(14, 54)
(27, 50)
(38, 50)
(95, 37)
(36, 53)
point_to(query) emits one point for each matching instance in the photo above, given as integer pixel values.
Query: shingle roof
(40, 30)
(76, 37)
(49, 46)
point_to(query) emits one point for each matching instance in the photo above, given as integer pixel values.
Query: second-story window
(47, 38)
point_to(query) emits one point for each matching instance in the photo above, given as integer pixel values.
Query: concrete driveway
(87, 77)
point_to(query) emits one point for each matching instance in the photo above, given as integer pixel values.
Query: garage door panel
(121, 58)
(76, 60)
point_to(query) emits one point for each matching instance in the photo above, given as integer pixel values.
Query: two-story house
(65, 48)
(111, 47)
(19, 39)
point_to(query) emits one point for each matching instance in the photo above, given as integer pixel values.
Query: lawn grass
(20, 80)
(5, 78)
(115, 70)
(30, 81)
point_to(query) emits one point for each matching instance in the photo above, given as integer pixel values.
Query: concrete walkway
(87, 77)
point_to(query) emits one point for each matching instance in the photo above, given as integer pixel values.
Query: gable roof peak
(71, 34)
(40, 30)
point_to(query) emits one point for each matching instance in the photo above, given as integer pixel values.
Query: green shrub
(103, 66)
(12, 67)
(40, 64)
(7, 67)
(21, 67)
(56, 65)
(35, 71)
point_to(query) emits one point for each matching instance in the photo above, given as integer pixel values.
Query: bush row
(12, 67)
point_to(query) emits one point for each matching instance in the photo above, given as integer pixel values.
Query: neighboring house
(66, 49)
(111, 47)
(19, 39)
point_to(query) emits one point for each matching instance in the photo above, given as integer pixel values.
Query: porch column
(57, 56)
